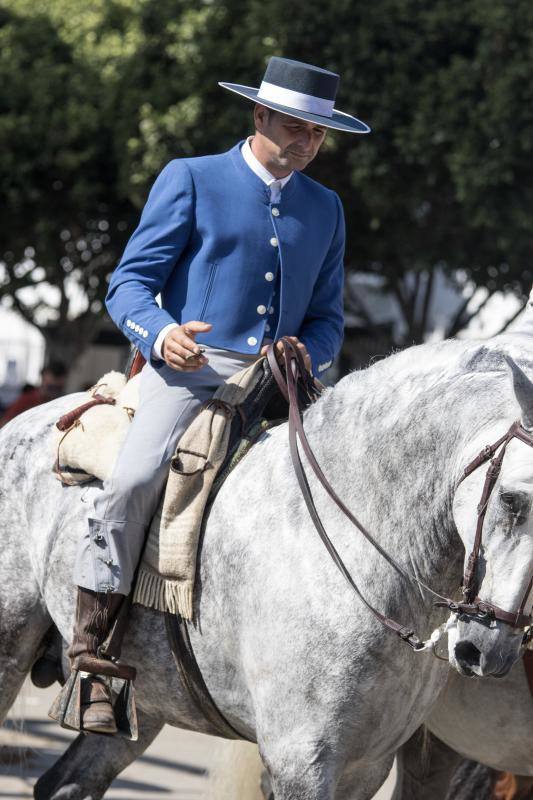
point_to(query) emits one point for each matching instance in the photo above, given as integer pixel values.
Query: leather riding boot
(95, 612)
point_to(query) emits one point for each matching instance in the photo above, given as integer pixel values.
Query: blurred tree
(100, 95)
(445, 181)
(62, 221)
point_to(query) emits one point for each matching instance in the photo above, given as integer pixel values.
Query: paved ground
(175, 767)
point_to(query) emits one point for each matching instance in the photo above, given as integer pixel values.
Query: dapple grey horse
(290, 655)
(488, 721)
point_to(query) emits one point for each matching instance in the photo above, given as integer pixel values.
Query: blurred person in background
(53, 377)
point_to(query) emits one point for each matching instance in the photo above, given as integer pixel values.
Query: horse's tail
(235, 772)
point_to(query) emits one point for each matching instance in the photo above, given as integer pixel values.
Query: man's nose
(304, 141)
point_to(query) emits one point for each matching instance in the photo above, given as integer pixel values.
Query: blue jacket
(208, 241)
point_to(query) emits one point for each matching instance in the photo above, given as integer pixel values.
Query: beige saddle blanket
(89, 448)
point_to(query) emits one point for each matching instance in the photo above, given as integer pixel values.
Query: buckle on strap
(480, 610)
(407, 635)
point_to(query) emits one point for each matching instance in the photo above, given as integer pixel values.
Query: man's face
(291, 143)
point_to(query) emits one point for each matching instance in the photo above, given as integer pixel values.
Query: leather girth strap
(180, 645)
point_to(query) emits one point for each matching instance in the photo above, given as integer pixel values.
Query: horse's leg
(23, 624)
(425, 768)
(298, 772)
(317, 778)
(86, 770)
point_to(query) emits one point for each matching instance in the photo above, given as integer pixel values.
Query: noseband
(296, 373)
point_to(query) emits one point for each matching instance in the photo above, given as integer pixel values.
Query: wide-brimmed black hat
(303, 91)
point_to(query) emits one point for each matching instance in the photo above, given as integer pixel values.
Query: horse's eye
(516, 503)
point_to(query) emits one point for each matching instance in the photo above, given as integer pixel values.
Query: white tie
(275, 191)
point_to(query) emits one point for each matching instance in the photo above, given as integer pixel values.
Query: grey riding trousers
(110, 548)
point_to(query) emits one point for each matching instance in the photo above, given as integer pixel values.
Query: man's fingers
(182, 358)
(179, 343)
(197, 326)
(177, 348)
(188, 343)
(182, 365)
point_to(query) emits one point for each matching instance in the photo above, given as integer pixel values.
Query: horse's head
(495, 520)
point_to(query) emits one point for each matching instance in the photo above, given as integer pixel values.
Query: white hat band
(295, 100)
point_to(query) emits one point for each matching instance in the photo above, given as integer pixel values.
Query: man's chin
(293, 164)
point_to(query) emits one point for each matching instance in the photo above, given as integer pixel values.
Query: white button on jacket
(251, 341)
(261, 309)
(269, 276)
(275, 212)
(274, 242)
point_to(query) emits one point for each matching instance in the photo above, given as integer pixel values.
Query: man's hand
(180, 350)
(279, 351)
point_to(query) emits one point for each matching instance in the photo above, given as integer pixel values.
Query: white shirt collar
(261, 171)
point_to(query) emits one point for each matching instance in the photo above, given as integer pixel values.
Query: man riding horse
(243, 249)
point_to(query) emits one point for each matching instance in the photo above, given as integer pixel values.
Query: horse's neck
(396, 471)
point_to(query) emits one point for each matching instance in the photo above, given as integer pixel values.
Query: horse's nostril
(467, 654)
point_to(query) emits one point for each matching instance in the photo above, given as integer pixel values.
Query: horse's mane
(429, 368)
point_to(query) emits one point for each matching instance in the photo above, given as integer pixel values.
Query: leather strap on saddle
(103, 666)
(67, 420)
(137, 363)
(185, 660)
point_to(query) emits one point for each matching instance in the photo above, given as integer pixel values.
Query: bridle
(473, 605)
(295, 373)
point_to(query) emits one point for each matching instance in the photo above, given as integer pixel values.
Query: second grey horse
(289, 654)
(488, 721)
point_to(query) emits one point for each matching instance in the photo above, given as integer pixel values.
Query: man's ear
(260, 117)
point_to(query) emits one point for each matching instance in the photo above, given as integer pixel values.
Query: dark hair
(56, 367)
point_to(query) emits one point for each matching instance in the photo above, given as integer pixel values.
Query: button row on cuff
(137, 328)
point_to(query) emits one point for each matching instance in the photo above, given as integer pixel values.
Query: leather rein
(295, 374)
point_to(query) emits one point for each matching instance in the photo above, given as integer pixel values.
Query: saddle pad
(168, 568)
(90, 446)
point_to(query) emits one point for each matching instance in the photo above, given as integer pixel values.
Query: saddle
(217, 439)
(249, 402)
(89, 436)
(220, 435)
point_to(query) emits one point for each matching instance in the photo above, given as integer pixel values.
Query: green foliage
(97, 97)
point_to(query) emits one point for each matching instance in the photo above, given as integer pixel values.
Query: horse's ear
(523, 389)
